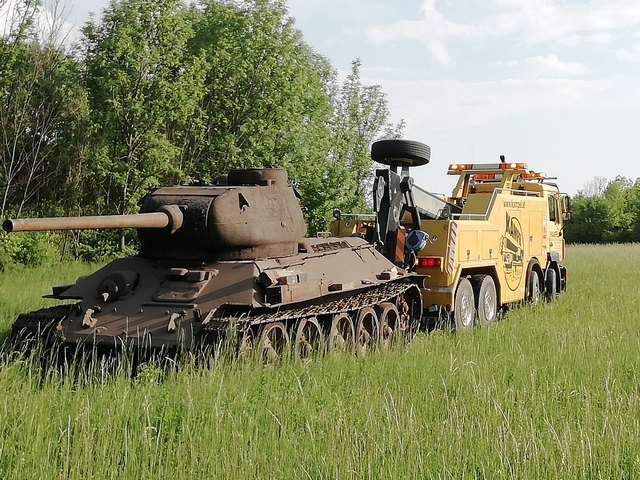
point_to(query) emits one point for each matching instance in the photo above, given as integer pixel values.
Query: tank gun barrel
(168, 217)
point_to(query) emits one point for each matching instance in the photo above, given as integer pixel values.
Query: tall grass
(551, 391)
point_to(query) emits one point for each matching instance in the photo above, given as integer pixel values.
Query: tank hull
(182, 305)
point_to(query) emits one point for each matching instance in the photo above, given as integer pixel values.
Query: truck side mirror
(566, 208)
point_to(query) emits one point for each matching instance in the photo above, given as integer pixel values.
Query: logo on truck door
(512, 252)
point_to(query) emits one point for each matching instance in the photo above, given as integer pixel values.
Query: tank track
(369, 298)
(37, 326)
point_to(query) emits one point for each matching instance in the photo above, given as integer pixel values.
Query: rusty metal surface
(373, 296)
(138, 220)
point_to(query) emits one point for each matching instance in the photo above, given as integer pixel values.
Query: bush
(100, 245)
(33, 249)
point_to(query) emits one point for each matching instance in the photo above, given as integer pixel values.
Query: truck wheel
(464, 306)
(398, 151)
(534, 291)
(484, 289)
(550, 286)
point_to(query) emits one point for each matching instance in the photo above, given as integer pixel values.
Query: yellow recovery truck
(496, 241)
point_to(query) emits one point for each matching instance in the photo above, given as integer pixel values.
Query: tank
(227, 263)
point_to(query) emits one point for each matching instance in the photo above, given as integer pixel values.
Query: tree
(610, 214)
(265, 103)
(344, 180)
(41, 104)
(144, 87)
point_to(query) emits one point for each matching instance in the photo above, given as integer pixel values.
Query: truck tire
(550, 286)
(484, 289)
(464, 306)
(534, 291)
(398, 151)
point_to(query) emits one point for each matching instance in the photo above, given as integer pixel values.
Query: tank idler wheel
(274, 341)
(390, 325)
(367, 331)
(464, 306)
(309, 340)
(410, 308)
(341, 334)
(484, 289)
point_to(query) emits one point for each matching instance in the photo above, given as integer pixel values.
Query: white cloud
(551, 66)
(433, 29)
(629, 54)
(528, 22)
(580, 40)
(545, 66)
(363, 10)
(443, 105)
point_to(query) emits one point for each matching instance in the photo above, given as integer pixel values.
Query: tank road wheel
(341, 333)
(534, 292)
(247, 344)
(484, 289)
(274, 341)
(309, 340)
(464, 304)
(367, 331)
(550, 286)
(390, 329)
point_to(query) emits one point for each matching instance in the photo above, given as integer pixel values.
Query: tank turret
(254, 214)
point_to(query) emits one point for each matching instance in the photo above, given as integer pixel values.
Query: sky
(553, 83)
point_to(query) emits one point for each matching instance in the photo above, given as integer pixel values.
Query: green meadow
(550, 391)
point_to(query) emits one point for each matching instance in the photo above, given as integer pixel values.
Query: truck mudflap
(563, 278)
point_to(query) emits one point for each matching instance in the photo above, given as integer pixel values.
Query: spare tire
(401, 152)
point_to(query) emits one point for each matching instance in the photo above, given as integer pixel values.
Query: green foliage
(264, 93)
(42, 107)
(608, 213)
(550, 392)
(141, 85)
(102, 245)
(360, 115)
(31, 250)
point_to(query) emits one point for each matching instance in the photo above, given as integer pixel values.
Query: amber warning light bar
(484, 167)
